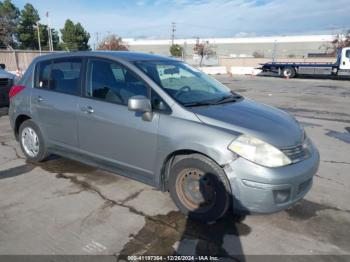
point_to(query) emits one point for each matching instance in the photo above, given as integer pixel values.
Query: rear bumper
(258, 189)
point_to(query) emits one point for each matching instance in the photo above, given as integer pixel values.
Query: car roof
(5, 74)
(123, 55)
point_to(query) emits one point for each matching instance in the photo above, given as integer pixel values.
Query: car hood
(4, 74)
(269, 124)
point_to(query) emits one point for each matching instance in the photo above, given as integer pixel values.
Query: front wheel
(199, 188)
(32, 142)
(288, 72)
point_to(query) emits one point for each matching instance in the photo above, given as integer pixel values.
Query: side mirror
(3, 66)
(141, 104)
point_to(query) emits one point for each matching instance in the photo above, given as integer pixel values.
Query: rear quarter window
(43, 74)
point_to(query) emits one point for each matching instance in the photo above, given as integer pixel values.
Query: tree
(341, 40)
(112, 42)
(75, 37)
(55, 40)
(175, 50)
(203, 49)
(68, 35)
(26, 32)
(9, 15)
(20, 28)
(44, 38)
(258, 54)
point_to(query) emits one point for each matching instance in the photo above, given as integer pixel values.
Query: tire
(288, 72)
(29, 129)
(199, 188)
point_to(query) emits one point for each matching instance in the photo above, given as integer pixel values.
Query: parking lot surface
(64, 207)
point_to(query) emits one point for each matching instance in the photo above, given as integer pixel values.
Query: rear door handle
(87, 109)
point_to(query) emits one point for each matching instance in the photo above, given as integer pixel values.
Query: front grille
(296, 153)
(5, 82)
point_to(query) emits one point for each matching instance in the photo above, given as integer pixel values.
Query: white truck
(292, 69)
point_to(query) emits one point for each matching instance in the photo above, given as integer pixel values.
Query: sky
(197, 18)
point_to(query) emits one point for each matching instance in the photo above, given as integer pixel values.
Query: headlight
(307, 145)
(259, 152)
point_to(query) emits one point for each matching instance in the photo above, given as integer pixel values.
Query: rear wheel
(32, 142)
(199, 188)
(288, 72)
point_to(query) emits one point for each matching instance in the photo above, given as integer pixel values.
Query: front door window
(112, 82)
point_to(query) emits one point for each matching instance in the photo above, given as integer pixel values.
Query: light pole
(38, 31)
(173, 30)
(96, 43)
(49, 31)
(109, 37)
(274, 51)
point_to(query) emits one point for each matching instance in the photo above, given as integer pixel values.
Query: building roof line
(268, 39)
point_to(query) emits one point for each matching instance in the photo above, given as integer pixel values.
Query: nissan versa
(158, 120)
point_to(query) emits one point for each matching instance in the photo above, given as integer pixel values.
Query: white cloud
(140, 3)
(205, 17)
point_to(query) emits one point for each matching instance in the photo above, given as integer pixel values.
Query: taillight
(15, 90)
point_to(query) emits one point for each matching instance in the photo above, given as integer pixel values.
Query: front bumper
(258, 189)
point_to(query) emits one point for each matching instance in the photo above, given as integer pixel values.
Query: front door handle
(39, 99)
(87, 109)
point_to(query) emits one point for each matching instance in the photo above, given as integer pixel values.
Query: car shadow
(3, 111)
(220, 239)
(16, 171)
(314, 77)
(178, 237)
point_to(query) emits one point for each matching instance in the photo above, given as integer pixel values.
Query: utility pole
(109, 40)
(184, 51)
(49, 32)
(96, 34)
(38, 30)
(274, 51)
(173, 30)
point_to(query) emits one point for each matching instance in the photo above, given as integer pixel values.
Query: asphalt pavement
(64, 207)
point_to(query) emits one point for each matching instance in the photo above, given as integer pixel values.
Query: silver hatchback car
(162, 122)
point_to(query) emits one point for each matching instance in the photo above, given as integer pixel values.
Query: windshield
(185, 84)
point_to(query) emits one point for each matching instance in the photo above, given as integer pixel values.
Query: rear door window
(60, 75)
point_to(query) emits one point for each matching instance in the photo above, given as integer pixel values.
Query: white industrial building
(278, 46)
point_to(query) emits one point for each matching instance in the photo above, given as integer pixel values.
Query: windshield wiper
(227, 99)
(204, 103)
